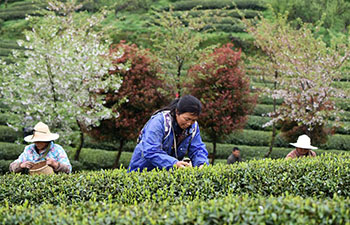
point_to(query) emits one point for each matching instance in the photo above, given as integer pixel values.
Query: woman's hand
(182, 164)
(53, 163)
(26, 164)
(201, 166)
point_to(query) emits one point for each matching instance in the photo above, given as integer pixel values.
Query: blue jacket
(155, 145)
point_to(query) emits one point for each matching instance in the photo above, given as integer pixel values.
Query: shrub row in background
(262, 138)
(320, 177)
(248, 13)
(5, 51)
(3, 118)
(266, 107)
(96, 159)
(215, 4)
(19, 14)
(8, 134)
(9, 44)
(109, 146)
(257, 122)
(229, 210)
(257, 152)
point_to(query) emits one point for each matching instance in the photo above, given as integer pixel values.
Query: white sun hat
(303, 142)
(41, 133)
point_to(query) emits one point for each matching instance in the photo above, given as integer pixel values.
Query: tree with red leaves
(223, 89)
(137, 98)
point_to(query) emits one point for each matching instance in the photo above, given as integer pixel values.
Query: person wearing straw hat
(42, 149)
(302, 148)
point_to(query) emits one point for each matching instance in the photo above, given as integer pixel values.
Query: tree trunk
(214, 152)
(116, 162)
(81, 142)
(272, 143)
(178, 85)
(272, 139)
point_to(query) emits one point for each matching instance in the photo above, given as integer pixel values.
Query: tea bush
(232, 209)
(321, 177)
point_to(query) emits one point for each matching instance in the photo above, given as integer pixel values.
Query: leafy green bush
(262, 138)
(3, 118)
(9, 44)
(96, 159)
(257, 122)
(18, 14)
(7, 134)
(10, 151)
(90, 143)
(233, 209)
(248, 13)
(321, 177)
(261, 109)
(5, 51)
(215, 4)
(224, 28)
(4, 166)
(337, 141)
(257, 152)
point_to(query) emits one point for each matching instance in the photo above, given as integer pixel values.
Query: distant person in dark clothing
(235, 157)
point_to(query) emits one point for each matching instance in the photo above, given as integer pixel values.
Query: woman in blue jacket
(170, 134)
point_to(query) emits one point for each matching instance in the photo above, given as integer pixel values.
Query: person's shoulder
(161, 118)
(291, 154)
(29, 147)
(230, 158)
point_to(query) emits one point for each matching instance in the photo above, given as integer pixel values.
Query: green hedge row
(96, 159)
(8, 134)
(343, 104)
(216, 4)
(19, 14)
(7, 44)
(257, 152)
(228, 28)
(321, 177)
(262, 138)
(257, 122)
(109, 146)
(22, 7)
(5, 51)
(248, 13)
(10, 151)
(4, 165)
(257, 82)
(266, 106)
(345, 77)
(3, 118)
(232, 209)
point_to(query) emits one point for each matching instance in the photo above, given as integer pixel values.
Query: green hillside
(131, 21)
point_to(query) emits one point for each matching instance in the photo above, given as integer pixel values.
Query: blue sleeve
(152, 143)
(197, 151)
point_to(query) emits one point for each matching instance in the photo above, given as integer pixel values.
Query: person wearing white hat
(302, 148)
(43, 148)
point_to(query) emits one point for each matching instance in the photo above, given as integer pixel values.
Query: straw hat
(41, 133)
(303, 142)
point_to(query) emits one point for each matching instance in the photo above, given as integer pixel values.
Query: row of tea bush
(228, 210)
(322, 176)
